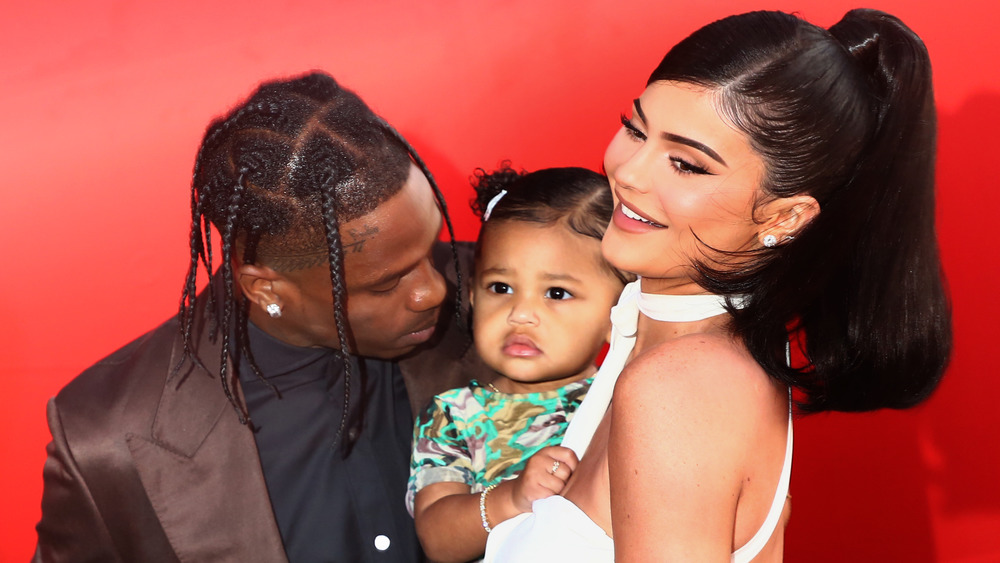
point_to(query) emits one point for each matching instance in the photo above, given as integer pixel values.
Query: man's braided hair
(277, 177)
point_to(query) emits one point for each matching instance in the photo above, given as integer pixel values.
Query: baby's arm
(449, 524)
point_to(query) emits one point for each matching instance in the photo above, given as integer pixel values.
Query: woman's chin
(627, 256)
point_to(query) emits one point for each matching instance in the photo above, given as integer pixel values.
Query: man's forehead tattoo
(358, 238)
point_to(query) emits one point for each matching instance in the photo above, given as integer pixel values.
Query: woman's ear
(785, 217)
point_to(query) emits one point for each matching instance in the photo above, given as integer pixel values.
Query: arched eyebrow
(682, 140)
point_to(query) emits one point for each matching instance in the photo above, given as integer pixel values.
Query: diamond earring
(769, 241)
(274, 310)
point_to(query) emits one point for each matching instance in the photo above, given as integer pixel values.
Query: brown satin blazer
(149, 465)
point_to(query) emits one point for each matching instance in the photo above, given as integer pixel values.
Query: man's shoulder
(102, 391)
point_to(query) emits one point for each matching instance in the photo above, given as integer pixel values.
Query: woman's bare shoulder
(695, 359)
(697, 373)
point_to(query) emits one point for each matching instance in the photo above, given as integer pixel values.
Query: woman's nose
(633, 171)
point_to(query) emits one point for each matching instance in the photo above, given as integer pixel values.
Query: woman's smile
(636, 216)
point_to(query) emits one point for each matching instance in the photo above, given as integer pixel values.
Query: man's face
(394, 291)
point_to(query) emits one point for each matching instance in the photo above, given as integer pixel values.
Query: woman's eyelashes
(684, 167)
(632, 130)
(680, 165)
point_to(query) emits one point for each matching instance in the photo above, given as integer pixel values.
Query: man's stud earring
(770, 240)
(274, 310)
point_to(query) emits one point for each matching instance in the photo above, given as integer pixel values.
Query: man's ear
(257, 282)
(785, 217)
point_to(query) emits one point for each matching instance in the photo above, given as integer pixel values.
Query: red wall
(103, 105)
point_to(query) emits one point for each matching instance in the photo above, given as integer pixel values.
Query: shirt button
(382, 542)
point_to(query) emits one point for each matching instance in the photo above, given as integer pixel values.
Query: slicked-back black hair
(577, 197)
(277, 176)
(846, 116)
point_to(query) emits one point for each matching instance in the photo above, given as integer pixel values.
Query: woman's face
(679, 173)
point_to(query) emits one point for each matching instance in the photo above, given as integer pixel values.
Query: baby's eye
(558, 293)
(499, 287)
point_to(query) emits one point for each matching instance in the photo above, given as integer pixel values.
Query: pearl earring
(769, 241)
(274, 310)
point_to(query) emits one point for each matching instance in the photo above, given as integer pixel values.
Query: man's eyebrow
(682, 140)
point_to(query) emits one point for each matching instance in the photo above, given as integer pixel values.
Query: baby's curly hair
(489, 184)
(578, 197)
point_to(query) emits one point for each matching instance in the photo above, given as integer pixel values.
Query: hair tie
(493, 203)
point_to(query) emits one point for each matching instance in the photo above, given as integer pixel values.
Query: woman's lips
(520, 346)
(635, 216)
(630, 220)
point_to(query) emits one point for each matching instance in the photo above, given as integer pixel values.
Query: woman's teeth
(633, 215)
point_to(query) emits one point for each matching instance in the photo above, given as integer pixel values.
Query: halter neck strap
(683, 308)
(624, 325)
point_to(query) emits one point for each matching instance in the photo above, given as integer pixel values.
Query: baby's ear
(472, 293)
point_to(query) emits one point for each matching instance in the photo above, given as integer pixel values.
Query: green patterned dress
(478, 436)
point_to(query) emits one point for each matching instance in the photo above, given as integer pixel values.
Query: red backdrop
(104, 102)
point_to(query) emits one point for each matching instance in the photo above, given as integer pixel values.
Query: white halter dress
(556, 529)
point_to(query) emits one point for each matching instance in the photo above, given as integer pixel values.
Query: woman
(774, 181)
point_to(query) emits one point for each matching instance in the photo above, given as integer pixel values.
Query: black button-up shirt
(330, 507)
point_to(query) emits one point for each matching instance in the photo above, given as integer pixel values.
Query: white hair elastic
(493, 203)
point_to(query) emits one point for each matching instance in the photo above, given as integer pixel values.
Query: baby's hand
(544, 475)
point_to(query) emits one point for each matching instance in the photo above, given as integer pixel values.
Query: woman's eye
(684, 167)
(499, 287)
(558, 293)
(632, 130)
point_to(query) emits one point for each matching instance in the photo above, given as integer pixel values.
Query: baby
(541, 297)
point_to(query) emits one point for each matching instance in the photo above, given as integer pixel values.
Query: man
(238, 430)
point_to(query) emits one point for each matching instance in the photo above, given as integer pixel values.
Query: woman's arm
(677, 446)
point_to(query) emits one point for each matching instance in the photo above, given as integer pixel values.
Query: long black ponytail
(846, 116)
